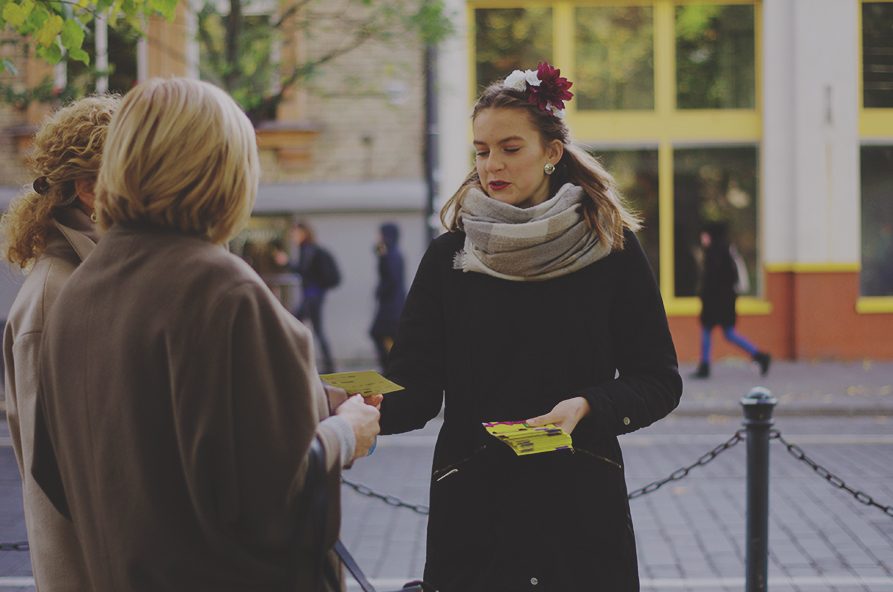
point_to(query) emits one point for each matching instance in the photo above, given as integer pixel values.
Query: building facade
(343, 150)
(773, 115)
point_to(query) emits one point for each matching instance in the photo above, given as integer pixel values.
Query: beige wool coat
(55, 555)
(178, 403)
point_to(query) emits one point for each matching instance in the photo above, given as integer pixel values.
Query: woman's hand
(374, 400)
(565, 415)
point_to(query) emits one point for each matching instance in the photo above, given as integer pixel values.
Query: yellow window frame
(660, 128)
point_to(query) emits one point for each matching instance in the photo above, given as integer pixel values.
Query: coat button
(626, 421)
(534, 581)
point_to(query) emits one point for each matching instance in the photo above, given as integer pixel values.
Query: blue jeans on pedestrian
(730, 335)
(311, 309)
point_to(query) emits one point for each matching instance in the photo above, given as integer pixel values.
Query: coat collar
(78, 231)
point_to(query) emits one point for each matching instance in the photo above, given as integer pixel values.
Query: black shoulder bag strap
(315, 492)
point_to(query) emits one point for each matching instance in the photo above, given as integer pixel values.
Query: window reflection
(635, 172)
(877, 221)
(615, 58)
(877, 54)
(714, 56)
(509, 39)
(711, 184)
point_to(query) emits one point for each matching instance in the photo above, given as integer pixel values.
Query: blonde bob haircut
(182, 156)
(67, 148)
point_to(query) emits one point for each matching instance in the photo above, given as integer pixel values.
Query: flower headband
(545, 87)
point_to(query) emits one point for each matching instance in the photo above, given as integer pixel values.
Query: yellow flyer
(525, 439)
(365, 382)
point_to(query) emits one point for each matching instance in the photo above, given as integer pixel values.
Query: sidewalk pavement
(689, 533)
(808, 388)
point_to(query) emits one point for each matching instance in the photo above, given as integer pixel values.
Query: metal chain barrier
(683, 472)
(390, 500)
(676, 475)
(828, 476)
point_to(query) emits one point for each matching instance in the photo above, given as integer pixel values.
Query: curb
(791, 412)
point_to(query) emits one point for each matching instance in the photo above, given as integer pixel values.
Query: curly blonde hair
(67, 147)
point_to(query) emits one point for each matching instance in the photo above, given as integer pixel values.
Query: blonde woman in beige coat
(48, 232)
(179, 400)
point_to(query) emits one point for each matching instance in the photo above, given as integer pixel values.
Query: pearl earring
(549, 168)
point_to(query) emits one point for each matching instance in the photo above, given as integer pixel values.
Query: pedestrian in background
(48, 232)
(390, 292)
(538, 303)
(319, 273)
(178, 399)
(721, 278)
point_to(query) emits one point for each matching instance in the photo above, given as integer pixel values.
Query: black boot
(763, 359)
(703, 371)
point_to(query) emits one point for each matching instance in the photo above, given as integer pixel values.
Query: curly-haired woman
(48, 232)
(537, 306)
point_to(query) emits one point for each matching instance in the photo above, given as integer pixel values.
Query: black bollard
(758, 406)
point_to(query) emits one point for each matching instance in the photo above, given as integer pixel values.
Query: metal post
(431, 123)
(758, 406)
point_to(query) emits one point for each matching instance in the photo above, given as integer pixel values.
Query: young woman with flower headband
(49, 230)
(538, 305)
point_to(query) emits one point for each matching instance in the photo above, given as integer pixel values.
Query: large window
(876, 154)
(615, 57)
(510, 39)
(877, 54)
(877, 221)
(666, 96)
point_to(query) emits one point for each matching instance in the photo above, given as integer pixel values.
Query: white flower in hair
(559, 113)
(519, 80)
(532, 77)
(516, 81)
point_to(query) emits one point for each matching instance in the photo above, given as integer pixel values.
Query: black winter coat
(503, 350)
(391, 290)
(718, 287)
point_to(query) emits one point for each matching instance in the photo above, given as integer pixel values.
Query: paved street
(691, 532)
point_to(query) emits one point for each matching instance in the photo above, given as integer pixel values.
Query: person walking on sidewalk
(720, 281)
(49, 231)
(538, 305)
(319, 273)
(390, 293)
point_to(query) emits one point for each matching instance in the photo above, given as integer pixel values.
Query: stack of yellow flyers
(524, 439)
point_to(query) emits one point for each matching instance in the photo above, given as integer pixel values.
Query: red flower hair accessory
(546, 87)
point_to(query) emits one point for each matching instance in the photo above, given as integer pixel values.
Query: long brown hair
(67, 147)
(604, 211)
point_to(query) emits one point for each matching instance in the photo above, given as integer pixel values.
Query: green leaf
(79, 55)
(52, 53)
(167, 8)
(51, 28)
(72, 35)
(16, 14)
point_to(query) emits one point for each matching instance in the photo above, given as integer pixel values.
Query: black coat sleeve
(417, 360)
(648, 386)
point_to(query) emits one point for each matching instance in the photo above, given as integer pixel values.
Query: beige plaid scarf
(542, 242)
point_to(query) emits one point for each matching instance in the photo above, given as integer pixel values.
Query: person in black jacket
(390, 293)
(538, 305)
(319, 274)
(718, 295)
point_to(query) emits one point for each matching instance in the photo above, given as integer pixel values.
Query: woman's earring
(93, 218)
(549, 168)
